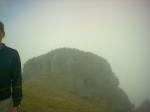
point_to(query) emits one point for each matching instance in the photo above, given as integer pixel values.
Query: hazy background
(115, 29)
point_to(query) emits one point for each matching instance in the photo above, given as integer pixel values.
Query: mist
(114, 29)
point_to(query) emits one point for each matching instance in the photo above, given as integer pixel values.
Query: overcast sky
(118, 30)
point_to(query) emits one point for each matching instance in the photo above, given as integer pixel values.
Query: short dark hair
(2, 27)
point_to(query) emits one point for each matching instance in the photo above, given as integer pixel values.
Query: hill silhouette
(71, 80)
(144, 107)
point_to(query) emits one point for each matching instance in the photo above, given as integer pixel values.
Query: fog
(114, 29)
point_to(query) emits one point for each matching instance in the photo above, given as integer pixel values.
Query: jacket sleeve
(16, 79)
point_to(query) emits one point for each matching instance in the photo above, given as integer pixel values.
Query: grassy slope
(40, 97)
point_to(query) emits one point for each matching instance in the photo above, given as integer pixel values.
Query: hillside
(70, 80)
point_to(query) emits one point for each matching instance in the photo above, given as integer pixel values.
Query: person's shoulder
(11, 50)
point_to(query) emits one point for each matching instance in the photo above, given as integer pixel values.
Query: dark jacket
(10, 75)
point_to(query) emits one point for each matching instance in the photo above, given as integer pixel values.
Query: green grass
(38, 99)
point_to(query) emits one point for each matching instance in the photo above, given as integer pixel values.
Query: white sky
(118, 31)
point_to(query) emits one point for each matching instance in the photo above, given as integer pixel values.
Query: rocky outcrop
(70, 80)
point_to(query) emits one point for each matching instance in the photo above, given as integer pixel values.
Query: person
(10, 77)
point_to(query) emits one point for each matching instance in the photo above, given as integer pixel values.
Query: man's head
(2, 32)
